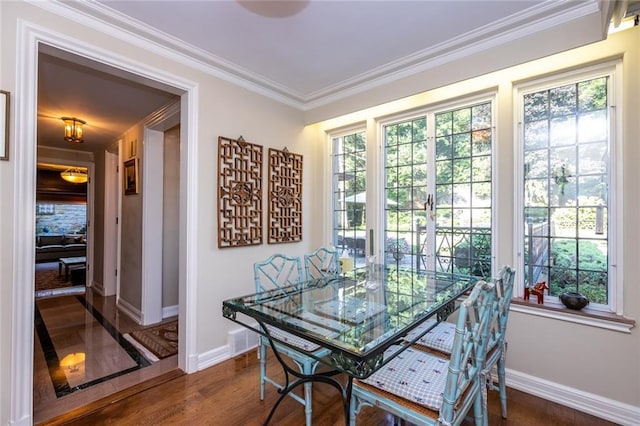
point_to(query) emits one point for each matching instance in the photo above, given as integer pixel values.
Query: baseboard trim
(213, 357)
(599, 406)
(129, 310)
(170, 311)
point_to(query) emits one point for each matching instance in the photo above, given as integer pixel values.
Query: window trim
(613, 70)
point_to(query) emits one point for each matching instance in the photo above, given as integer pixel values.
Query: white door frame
(29, 37)
(111, 237)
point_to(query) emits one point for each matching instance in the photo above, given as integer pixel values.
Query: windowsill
(584, 316)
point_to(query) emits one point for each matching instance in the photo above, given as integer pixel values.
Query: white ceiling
(302, 51)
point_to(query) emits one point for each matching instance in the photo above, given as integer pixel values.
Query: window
(567, 186)
(349, 195)
(438, 207)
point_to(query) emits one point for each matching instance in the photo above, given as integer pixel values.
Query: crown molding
(538, 18)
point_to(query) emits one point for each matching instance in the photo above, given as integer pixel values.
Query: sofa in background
(52, 247)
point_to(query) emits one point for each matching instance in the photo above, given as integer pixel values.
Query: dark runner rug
(161, 339)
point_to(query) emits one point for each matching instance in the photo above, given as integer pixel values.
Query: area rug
(161, 339)
(46, 277)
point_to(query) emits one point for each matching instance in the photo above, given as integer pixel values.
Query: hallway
(83, 352)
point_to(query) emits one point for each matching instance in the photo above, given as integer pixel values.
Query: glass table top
(354, 316)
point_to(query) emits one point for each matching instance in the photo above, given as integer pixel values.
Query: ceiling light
(73, 129)
(74, 175)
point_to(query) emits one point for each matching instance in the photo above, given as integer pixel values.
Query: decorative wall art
(239, 193)
(133, 148)
(4, 125)
(130, 176)
(285, 197)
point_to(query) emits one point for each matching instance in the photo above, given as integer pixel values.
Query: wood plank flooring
(227, 394)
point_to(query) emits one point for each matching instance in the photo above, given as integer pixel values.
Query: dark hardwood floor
(227, 394)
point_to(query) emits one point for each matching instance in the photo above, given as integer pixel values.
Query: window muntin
(566, 185)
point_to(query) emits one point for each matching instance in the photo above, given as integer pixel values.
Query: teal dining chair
(441, 337)
(279, 271)
(321, 263)
(425, 389)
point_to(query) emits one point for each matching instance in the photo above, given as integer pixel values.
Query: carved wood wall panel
(239, 193)
(285, 197)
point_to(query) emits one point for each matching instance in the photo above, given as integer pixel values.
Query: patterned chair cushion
(413, 375)
(440, 338)
(292, 339)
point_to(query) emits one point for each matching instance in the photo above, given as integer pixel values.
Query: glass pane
(564, 221)
(536, 106)
(462, 170)
(444, 148)
(536, 135)
(592, 222)
(481, 142)
(563, 100)
(594, 158)
(593, 126)
(444, 172)
(461, 218)
(481, 194)
(462, 121)
(592, 94)
(462, 145)
(481, 218)
(535, 164)
(481, 116)
(481, 171)
(536, 192)
(462, 195)
(562, 131)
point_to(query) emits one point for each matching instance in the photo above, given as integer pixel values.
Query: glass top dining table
(358, 317)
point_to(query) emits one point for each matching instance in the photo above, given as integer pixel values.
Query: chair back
(469, 349)
(504, 292)
(277, 271)
(321, 263)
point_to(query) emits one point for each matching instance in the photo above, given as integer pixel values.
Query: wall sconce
(73, 129)
(74, 175)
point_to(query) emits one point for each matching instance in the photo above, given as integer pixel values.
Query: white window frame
(613, 70)
(331, 135)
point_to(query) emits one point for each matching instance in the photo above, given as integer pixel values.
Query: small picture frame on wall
(133, 147)
(130, 176)
(4, 126)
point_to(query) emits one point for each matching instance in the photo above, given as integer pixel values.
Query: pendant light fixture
(73, 129)
(74, 175)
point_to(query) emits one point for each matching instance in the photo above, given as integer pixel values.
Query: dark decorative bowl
(573, 300)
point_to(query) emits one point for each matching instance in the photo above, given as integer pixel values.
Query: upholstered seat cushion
(440, 337)
(414, 375)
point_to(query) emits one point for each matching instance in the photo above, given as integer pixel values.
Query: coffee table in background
(68, 262)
